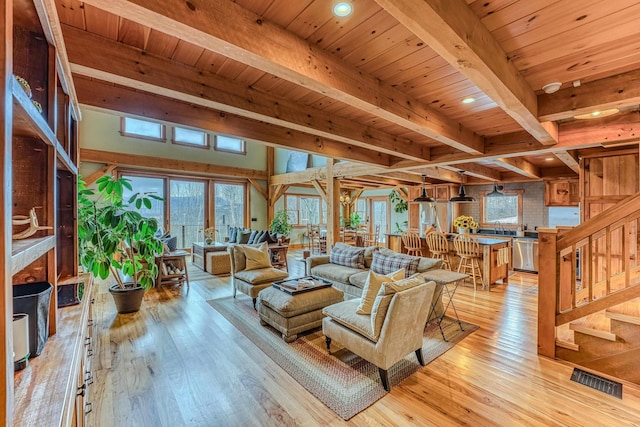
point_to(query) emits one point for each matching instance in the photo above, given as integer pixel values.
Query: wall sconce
(345, 198)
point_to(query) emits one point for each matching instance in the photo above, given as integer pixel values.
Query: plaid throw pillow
(348, 257)
(385, 264)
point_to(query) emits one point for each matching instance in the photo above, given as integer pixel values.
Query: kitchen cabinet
(562, 193)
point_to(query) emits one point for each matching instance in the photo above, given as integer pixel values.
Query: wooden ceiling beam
(247, 38)
(320, 190)
(618, 91)
(436, 172)
(476, 170)
(106, 170)
(521, 166)
(129, 101)
(259, 188)
(407, 177)
(573, 135)
(456, 33)
(131, 67)
(570, 159)
(155, 163)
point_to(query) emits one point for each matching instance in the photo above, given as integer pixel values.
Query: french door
(229, 206)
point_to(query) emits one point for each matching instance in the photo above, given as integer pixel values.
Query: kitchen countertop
(488, 241)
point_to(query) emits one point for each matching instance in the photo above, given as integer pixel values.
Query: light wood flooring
(179, 363)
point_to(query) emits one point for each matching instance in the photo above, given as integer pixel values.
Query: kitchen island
(493, 267)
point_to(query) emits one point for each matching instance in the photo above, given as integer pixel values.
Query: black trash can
(33, 299)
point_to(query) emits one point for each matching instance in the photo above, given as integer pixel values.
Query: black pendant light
(423, 198)
(496, 191)
(462, 196)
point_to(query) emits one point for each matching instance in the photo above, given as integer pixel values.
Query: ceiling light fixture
(468, 100)
(597, 114)
(496, 191)
(345, 198)
(549, 159)
(423, 198)
(462, 195)
(342, 9)
(552, 87)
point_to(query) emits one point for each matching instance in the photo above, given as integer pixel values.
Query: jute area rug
(343, 381)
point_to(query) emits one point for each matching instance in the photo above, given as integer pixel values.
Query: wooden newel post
(548, 274)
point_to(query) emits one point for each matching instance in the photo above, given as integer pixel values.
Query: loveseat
(351, 280)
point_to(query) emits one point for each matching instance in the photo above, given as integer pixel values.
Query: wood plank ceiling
(383, 86)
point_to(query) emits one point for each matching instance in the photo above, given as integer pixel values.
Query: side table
(449, 281)
(278, 254)
(200, 251)
(172, 268)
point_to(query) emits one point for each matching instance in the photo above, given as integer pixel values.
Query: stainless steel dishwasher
(525, 254)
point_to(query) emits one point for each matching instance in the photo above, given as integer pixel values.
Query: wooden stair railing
(587, 268)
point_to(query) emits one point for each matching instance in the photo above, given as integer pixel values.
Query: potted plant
(116, 239)
(280, 223)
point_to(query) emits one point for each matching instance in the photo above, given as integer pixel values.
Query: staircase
(589, 293)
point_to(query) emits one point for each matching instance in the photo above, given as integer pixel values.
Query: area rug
(343, 381)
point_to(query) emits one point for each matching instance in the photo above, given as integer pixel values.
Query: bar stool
(468, 249)
(412, 243)
(439, 248)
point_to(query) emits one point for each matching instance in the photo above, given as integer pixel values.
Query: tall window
(145, 129)
(380, 215)
(504, 210)
(229, 206)
(186, 210)
(305, 210)
(143, 184)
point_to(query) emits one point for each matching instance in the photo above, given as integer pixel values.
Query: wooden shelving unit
(40, 171)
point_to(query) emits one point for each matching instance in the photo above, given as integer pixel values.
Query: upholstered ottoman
(292, 314)
(218, 263)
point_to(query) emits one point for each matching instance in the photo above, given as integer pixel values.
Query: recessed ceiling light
(597, 114)
(468, 100)
(342, 9)
(551, 87)
(549, 159)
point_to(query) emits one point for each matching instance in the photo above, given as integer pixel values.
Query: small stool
(293, 314)
(218, 263)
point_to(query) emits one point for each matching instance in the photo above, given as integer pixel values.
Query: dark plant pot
(129, 299)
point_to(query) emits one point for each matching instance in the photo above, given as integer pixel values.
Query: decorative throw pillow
(383, 299)
(172, 243)
(385, 264)
(262, 237)
(351, 257)
(372, 286)
(233, 231)
(243, 237)
(257, 257)
(252, 237)
(273, 237)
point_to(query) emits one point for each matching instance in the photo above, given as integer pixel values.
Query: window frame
(323, 221)
(485, 224)
(123, 132)
(207, 138)
(224, 150)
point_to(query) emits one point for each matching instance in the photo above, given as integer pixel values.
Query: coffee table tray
(292, 286)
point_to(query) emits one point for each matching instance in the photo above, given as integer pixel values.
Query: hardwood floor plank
(180, 362)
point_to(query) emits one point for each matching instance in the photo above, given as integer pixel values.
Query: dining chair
(412, 243)
(468, 249)
(439, 247)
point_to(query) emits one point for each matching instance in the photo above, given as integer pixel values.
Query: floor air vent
(597, 382)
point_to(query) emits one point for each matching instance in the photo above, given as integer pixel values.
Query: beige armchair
(251, 281)
(401, 332)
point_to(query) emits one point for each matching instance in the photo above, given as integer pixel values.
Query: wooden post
(333, 206)
(270, 170)
(547, 291)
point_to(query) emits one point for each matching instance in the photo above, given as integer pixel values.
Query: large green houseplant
(280, 223)
(116, 239)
